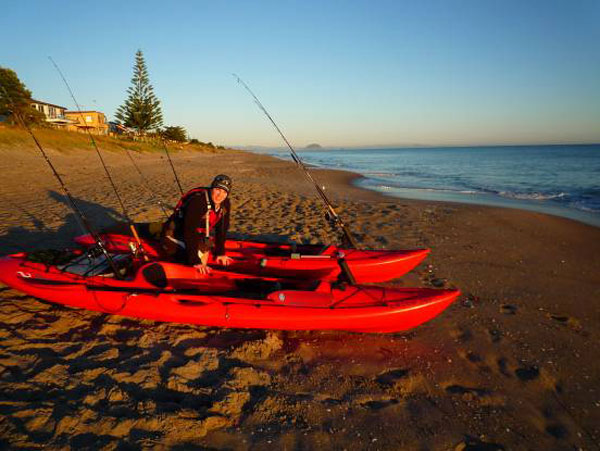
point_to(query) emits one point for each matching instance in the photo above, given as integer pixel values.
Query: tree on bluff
(174, 133)
(16, 98)
(141, 110)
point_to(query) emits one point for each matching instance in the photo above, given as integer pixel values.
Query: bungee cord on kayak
(140, 247)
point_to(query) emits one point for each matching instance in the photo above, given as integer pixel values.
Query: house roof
(78, 112)
(49, 104)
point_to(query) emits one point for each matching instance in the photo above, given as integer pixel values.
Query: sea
(562, 180)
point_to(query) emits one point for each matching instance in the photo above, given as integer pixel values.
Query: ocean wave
(396, 174)
(532, 196)
(431, 190)
(583, 207)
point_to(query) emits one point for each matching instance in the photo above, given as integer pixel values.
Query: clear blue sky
(339, 73)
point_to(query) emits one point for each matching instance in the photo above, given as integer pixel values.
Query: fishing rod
(332, 215)
(127, 217)
(160, 203)
(71, 201)
(171, 163)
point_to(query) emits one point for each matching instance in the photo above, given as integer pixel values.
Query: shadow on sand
(25, 238)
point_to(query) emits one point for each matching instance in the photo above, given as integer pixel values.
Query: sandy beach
(514, 364)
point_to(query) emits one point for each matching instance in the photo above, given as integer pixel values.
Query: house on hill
(55, 114)
(82, 121)
(79, 121)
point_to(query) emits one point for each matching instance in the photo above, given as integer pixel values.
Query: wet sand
(514, 364)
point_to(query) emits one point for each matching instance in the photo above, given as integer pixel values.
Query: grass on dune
(64, 141)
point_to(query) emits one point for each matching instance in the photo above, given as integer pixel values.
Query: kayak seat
(155, 275)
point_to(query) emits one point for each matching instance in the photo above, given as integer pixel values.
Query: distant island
(313, 146)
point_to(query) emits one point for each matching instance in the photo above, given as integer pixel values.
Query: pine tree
(175, 133)
(16, 98)
(141, 109)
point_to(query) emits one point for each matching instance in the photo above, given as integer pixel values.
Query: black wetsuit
(189, 227)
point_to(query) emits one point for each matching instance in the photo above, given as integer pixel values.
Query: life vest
(171, 232)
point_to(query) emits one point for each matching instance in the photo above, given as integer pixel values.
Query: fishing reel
(332, 220)
(338, 228)
(94, 252)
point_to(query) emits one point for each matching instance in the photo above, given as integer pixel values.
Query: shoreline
(494, 200)
(513, 361)
(350, 180)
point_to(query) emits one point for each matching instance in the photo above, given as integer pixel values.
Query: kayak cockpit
(91, 265)
(178, 278)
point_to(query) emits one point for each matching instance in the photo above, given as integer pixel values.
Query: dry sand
(514, 364)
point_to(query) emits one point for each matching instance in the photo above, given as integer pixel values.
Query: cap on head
(222, 181)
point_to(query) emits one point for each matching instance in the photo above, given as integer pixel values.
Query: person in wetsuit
(199, 225)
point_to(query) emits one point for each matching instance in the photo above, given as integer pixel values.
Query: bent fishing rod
(114, 187)
(71, 201)
(332, 213)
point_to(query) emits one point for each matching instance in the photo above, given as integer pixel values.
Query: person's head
(220, 188)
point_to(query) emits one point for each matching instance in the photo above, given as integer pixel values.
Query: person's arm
(195, 242)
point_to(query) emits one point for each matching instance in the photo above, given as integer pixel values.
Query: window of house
(88, 118)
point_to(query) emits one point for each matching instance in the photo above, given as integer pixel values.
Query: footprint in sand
(462, 334)
(503, 366)
(469, 391)
(390, 377)
(495, 335)
(553, 426)
(473, 443)
(378, 405)
(508, 309)
(475, 359)
(569, 321)
(527, 373)
(557, 431)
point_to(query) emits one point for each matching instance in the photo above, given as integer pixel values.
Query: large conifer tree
(141, 109)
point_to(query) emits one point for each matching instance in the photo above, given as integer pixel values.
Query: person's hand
(202, 269)
(224, 260)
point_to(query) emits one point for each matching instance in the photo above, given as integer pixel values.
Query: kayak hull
(184, 296)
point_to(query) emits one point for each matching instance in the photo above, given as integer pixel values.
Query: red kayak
(176, 293)
(290, 260)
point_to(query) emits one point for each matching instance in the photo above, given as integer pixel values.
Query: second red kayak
(290, 260)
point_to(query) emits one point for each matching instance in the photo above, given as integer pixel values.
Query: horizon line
(416, 145)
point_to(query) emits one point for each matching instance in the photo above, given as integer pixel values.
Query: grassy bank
(63, 141)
